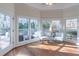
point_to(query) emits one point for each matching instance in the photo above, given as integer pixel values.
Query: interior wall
(8, 9)
(51, 13)
(25, 10)
(61, 13)
(71, 12)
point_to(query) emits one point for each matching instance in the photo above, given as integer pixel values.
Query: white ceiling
(42, 6)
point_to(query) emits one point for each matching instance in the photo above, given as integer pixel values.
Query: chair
(59, 36)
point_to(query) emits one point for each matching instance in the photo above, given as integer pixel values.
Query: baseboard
(20, 44)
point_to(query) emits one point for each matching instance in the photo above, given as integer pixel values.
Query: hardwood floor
(45, 49)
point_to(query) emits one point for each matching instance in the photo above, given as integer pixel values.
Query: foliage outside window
(34, 28)
(33, 25)
(71, 28)
(23, 29)
(45, 24)
(72, 33)
(23, 26)
(23, 23)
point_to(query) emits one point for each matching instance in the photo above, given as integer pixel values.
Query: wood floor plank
(45, 49)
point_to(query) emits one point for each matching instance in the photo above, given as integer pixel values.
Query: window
(56, 27)
(46, 26)
(23, 29)
(5, 33)
(34, 28)
(71, 24)
(71, 29)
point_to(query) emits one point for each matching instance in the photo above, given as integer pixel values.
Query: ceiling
(42, 6)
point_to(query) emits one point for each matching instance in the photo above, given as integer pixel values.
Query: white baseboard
(26, 42)
(4, 51)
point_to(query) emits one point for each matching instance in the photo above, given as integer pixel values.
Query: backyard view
(53, 29)
(34, 28)
(4, 31)
(45, 26)
(23, 29)
(71, 29)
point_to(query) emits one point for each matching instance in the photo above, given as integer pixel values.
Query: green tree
(21, 26)
(25, 25)
(33, 25)
(46, 25)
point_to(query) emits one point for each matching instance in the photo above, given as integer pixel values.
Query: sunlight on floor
(65, 48)
(22, 55)
(69, 50)
(46, 47)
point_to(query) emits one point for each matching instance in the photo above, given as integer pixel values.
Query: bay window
(23, 29)
(71, 29)
(5, 31)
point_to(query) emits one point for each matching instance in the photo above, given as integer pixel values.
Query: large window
(23, 28)
(71, 29)
(56, 25)
(57, 30)
(34, 28)
(28, 28)
(71, 24)
(46, 26)
(4, 31)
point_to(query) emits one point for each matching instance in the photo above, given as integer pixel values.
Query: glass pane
(71, 24)
(57, 30)
(34, 28)
(56, 24)
(4, 31)
(71, 29)
(46, 26)
(23, 29)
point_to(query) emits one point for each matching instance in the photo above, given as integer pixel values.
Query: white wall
(7, 9)
(61, 13)
(25, 10)
(51, 14)
(71, 12)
